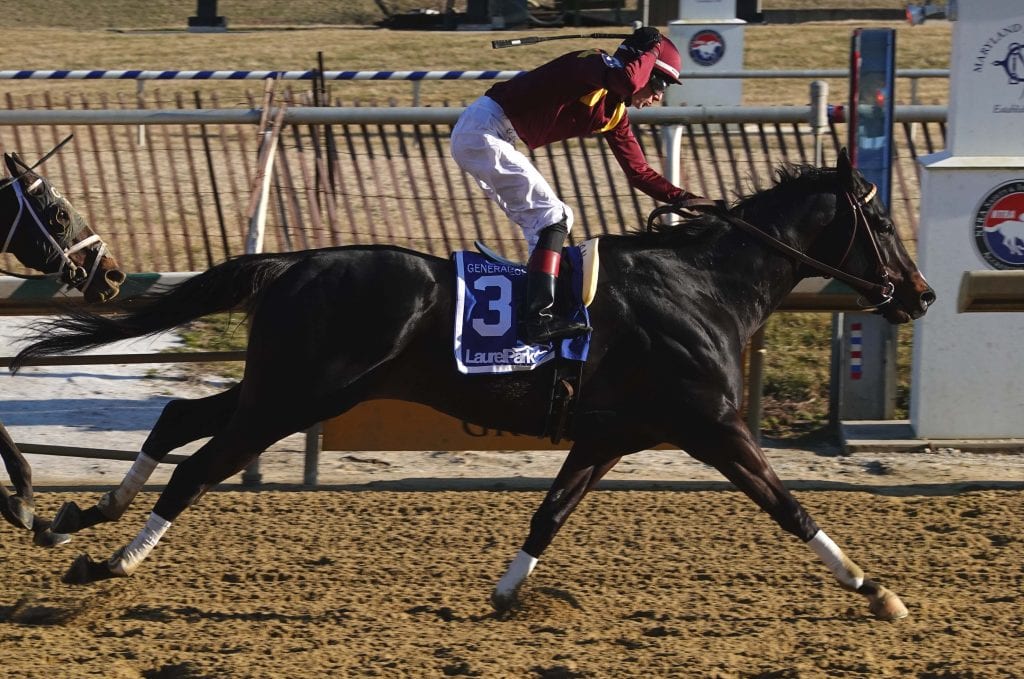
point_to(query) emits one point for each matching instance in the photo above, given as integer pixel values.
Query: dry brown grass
(117, 35)
(100, 14)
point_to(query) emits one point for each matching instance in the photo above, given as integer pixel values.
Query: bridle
(884, 289)
(73, 276)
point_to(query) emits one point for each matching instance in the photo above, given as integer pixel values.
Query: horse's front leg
(21, 514)
(730, 448)
(15, 510)
(20, 507)
(182, 421)
(582, 469)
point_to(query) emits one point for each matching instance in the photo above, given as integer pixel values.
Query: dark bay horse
(673, 310)
(44, 232)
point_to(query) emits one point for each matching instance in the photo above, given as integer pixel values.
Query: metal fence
(170, 189)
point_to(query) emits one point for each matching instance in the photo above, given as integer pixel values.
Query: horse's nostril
(115, 277)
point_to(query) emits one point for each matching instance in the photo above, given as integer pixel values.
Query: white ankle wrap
(135, 479)
(126, 560)
(834, 558)
(518, 570)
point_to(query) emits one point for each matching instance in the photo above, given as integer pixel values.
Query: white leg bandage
(114, 503)
(518, 570)
(845, 570)
(127, 559)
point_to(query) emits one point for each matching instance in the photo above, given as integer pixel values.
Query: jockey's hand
(681, 208)
(686, 197)
(643, 39)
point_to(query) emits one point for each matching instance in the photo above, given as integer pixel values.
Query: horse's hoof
(84, 571)
(47, 538)
(504, 601)
(887, 606)
(68, 518)
(23, 511)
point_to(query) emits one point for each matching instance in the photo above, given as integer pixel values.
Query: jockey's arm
(633, 76)
(640, 174)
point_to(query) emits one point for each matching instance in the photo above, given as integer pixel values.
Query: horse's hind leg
(582, 469)
(731, 449)
(226, 454)
(182, 421)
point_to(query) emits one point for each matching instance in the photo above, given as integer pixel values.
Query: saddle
(589, 254)
(576, 290)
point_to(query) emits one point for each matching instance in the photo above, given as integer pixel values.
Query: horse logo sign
(999, 226)
(707, 47)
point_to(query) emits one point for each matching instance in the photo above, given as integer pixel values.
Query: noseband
(884, 289)
(73, 275)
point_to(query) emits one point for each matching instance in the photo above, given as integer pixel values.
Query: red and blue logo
(707, 47)
(999, 226)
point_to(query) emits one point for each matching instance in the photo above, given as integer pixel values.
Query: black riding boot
(537, 324)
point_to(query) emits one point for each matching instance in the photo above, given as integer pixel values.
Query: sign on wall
(999, 226)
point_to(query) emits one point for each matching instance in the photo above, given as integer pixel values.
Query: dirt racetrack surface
(343, 583)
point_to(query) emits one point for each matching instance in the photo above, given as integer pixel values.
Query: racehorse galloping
(673, 310)
(41, 228)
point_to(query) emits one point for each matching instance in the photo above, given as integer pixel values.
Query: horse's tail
(235, 284)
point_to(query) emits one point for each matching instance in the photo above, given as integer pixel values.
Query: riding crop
(533, 40)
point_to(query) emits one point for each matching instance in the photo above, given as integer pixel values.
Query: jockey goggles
(658, 82)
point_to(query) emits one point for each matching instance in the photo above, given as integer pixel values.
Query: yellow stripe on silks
(588, 252)
(620, 111)
(592, 99)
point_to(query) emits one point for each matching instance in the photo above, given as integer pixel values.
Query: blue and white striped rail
(135, 74)
(254, 75)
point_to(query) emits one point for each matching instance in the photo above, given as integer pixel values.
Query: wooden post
(257, 212)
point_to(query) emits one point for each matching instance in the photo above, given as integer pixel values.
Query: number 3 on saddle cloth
(487, 302)
(488, 297)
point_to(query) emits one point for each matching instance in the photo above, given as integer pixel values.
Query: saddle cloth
(487, 302)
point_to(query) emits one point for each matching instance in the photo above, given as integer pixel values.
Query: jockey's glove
(644, 39)
(680, 204)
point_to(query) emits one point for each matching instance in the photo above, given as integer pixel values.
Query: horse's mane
(789, 178)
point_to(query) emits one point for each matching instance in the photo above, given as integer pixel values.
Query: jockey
(577, 94)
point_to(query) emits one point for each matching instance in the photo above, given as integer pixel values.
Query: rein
(885, 289)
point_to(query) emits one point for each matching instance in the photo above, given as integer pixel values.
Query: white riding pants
(483, 145)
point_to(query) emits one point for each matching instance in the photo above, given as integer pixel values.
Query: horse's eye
(60, 216)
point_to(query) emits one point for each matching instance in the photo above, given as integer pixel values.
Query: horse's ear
(844, 166)
(16, 166)
(14, 163)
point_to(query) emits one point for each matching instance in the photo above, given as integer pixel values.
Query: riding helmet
(669, 63)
